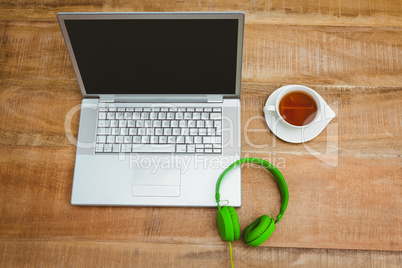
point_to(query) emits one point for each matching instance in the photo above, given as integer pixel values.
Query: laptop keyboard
(159, 130)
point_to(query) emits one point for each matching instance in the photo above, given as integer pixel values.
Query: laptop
(160, 114)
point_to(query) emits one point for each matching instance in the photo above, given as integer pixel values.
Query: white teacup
(293, 88)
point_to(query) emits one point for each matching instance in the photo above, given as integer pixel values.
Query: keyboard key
(199, 145)
(147, 109)
(191, 123)
(122, 123)
(159, 131)
(107, 148)
(199, 109)
(205, 116)
(208, 146)
(119, 115)
(119, 139)
(170, 116)
(148, 123)
(153, 115)
(189, 139)
(176, 131)
(104, 131)
(128, 115)
(141, 131)
(172, 109)
(154, 148)
(191, 148)
(208, 151)
(198, 139)
(199, 150)
(102, 115)
(215, 115)
(188, 115)
(150, 131)
(211, 131)
(139, 123)
(144, 139)
(164, 109)
(202, 131)
(99, 148)
(183, 123)
(138, 109)
(167, 131)
(165, 123)
(182, 109)
(157, 123)
(209, 123)
(110, 115)
(174, 123)
(110, 139)
(131, 123)
(179, 116)
(124, 131)
(126, 148)
(114, 123)
(161, 115)
(101, 139)
(130, 109)
(171, 139)
(196, 116)
(144, 115)
(154, 139)
(136, 139)
(116, 148)
(121, 109)
(217, 109)
(102, 109)
(180, 139)
(115, 131)
(128, 139)
(181, 148)
(102, 123)
(217, 150)
(193, 131)
(136, 115)
(190, 109)
(162, 139)
(185, 131)
(200, 123)
(208, 109)
(112, 109)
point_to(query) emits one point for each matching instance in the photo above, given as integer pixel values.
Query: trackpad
(156, 182)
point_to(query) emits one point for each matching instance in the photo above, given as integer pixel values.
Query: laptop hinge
(106, 99)
(215, 99)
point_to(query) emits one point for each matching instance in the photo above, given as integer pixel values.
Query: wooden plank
(352, 206)
(310, 12)
(18, 253)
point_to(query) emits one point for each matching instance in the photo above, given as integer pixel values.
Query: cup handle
(269, 108)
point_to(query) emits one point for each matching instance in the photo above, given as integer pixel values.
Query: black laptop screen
(178, 56)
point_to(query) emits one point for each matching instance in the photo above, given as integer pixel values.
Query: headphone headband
(283, 189)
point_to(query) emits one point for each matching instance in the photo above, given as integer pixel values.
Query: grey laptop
(160, 115)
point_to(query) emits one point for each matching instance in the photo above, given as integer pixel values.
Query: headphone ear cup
(235, 223)
(228, 224)
(259, 231)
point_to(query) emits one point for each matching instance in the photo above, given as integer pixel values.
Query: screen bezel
(154, 16)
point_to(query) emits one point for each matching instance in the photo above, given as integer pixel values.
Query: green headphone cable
(231, 254)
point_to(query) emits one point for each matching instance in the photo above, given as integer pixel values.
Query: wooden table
(345, 186)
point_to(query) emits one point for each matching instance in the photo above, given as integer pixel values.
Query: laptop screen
(158, 56)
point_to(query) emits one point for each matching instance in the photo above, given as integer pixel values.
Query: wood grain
(345, 185)
(134, 254)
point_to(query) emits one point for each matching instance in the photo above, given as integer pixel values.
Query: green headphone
(259, 231)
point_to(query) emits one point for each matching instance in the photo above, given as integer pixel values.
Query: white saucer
(294, 134)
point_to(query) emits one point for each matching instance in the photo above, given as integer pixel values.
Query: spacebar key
(153, 148)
